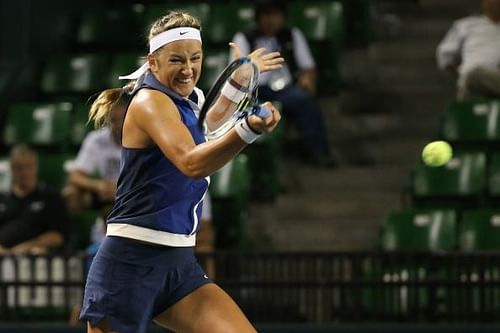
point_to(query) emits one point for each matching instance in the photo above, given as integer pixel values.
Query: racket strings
(248, 77)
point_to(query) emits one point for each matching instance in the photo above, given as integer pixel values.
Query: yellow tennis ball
(437, 153)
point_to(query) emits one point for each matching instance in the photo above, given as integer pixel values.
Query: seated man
(471, 52)
(294, 85)
(32, 216)
(92, 181)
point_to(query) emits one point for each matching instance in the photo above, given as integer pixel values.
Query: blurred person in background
(470, 51)
(32, 216)
(94, 176)
(294, 85)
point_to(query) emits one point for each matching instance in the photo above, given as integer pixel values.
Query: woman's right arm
(153, 118)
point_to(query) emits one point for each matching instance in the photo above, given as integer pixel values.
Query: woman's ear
(153, 62)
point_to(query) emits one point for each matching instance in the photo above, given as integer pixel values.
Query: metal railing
(293, 287)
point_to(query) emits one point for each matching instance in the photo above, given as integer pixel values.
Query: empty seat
(494, 175)
(123, 64)
(38, 124)
(480, 230)
(323, 25)
(201, 10)
(461, 181)
(80, 125)
(228, 19)
(411, 230)
(84, 73)
(419, 230)
(319, 20)
(110, 27)
(232, 181)
(472, 122)
(230, 190)
(54, 168)
(5, 174)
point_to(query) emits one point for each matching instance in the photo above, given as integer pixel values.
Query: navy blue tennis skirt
(130, 283)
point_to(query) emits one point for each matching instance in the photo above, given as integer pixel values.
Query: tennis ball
(437, 153)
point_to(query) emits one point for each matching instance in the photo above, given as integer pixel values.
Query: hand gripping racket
(218, 114)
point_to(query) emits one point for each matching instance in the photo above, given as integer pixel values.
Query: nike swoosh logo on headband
(183, 32)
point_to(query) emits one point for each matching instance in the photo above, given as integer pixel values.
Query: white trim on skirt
(150, 235)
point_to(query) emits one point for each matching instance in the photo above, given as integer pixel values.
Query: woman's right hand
(267, 124)
(266, 61)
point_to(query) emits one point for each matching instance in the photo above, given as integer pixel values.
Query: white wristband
(245, 132)
(234, 94)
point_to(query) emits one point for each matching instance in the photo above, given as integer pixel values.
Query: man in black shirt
(32, 217)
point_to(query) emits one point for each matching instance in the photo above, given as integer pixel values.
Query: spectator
(295, 84)
(32, 217)
(92, 181)
(471, 52)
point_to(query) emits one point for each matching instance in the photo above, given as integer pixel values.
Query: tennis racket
(217, 116)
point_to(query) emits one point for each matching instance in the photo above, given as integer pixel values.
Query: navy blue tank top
(155, 201)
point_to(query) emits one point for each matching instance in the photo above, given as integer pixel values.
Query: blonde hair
(100, 110)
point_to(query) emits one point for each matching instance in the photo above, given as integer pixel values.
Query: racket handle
(262, 111)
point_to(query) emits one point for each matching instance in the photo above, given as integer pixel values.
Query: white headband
(160, 40)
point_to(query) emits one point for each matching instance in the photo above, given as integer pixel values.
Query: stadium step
(390, 108)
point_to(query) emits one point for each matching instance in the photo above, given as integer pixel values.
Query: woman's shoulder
(151, 100)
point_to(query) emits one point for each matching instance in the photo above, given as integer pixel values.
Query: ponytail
(100, 109)
(110, 107)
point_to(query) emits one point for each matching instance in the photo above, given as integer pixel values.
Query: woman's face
(178, 65)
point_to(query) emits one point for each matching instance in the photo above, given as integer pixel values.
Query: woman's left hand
(265, 61)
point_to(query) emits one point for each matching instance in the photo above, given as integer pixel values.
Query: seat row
(472, 123)
(88, 73)
(468, 179)
(123, 25)
(442, 230)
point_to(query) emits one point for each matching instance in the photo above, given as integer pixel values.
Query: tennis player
(145, 269)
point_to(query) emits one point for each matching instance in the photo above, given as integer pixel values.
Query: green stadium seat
(123, 64)
(201, 10)
(5, 175)
(323, 25)
(53, 168)
(461, 181)
(419, 230)
(110, 27)
(494, 176)
(84, 73)
(480, 230)
(412, 230)
(232, 181)
(226, 19)
(319, 20)
(38, 124)
(80, 125)
(230, 191)
(470, 122)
